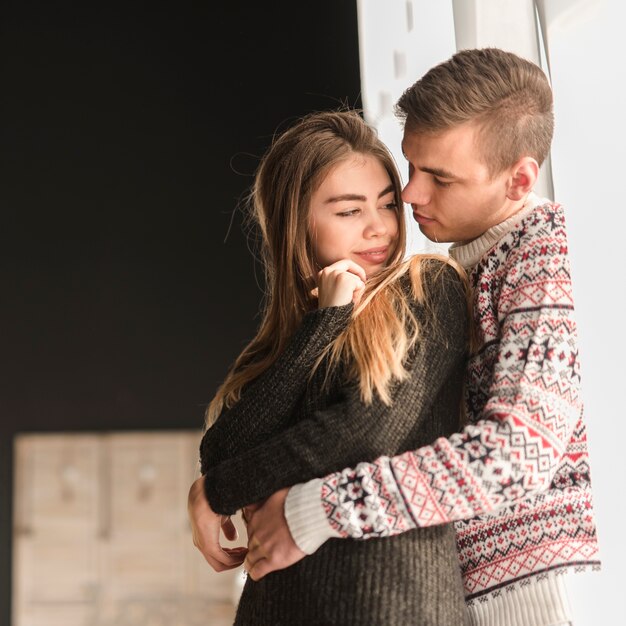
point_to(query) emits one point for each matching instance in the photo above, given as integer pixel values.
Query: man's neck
(468, 253)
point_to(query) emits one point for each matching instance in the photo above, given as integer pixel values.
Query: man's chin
(430, 232)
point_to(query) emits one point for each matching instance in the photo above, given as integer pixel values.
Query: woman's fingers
(340, 283)
(345, 265)
(358, 294)
(229, 530)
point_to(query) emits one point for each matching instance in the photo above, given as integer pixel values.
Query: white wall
(398, 42)
(589, 176)
(589, 168)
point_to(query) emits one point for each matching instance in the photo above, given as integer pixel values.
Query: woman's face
(353, 215)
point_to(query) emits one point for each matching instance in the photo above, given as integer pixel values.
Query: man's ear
(523, 178)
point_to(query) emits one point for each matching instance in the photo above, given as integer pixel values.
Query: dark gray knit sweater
(286, 430)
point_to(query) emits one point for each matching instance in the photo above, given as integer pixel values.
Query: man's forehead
(448, 143)
(453, 152)
(439, 137)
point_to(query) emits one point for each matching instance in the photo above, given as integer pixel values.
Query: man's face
(450, 189)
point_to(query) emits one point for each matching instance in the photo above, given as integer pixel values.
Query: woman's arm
(349, 431)
(269, 400)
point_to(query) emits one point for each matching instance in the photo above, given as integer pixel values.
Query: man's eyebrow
(354, 197)
(436, 171)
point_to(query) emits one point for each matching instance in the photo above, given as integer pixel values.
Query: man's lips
(422, 219)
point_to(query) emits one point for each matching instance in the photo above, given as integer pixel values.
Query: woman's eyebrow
(346, 196)
(385, 191)
(356, 197)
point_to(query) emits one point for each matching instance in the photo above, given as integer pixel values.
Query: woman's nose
(376, 225)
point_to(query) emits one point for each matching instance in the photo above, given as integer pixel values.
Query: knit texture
(516, 479)
(267, 403)
(413, 578)
(539, 600)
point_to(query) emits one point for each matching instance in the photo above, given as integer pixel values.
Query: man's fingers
(260, 569)
(254, 555)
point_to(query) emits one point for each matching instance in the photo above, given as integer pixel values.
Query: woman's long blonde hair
(383, 328)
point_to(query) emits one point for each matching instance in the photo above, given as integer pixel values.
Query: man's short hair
(509, 98)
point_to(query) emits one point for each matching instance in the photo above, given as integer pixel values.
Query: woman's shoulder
(437, 290)
(433, 276)
(431, 286)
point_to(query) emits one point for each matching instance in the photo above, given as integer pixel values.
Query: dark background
(129, 134)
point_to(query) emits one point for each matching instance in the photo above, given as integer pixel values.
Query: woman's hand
(340, 283)
(205, 530)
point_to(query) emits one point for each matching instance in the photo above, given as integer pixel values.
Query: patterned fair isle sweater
(288, 428)
(516, 479)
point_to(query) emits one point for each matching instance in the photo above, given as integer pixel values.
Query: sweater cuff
(306, 517)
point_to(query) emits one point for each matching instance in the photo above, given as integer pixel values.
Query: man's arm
(512, 450)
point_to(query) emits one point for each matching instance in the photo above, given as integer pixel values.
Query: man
(515, 480)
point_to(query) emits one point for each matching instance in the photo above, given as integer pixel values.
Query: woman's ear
(523, 178)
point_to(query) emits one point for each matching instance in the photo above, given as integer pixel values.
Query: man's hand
(270, 544)
(205, 529)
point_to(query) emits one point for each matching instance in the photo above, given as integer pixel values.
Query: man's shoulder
(538, 247)
(542, 231)
(538, 236)
(546, 219)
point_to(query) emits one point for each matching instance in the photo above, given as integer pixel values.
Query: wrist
(306, 517)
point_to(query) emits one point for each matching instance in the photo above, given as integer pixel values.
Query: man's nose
(416, 191)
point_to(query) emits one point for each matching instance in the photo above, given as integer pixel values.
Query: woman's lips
(374, 255)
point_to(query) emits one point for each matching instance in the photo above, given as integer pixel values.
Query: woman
(359, 354)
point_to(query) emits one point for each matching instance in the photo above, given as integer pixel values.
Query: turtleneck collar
(468, 254)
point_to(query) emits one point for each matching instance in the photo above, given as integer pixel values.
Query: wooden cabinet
(101, 536)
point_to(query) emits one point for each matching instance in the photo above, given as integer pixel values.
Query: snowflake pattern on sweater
(516, 478)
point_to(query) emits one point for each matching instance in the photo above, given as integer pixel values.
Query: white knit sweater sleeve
(306, 516)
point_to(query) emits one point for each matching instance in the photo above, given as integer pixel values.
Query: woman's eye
(348, 213)
(391, 205)
(441, 183)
